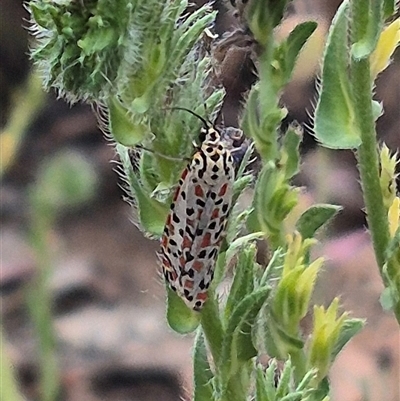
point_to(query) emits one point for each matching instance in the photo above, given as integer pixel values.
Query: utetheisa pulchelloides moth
(196, 223)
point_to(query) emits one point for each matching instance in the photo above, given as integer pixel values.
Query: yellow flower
(388, 175)
(387, 43)
(327, 326)
(394, 216)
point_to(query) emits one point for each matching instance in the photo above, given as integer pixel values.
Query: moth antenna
(207, 124)
(166, 157)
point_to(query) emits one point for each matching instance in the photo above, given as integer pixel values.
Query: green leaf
(180, 318)
(377, 109)
(373, 12)
(262, 16)
(152, 214)
(277, 341)
(290, 150)
(389, 7)
(270, 379)
(261, 385)
(288, 51)
(284, 382)
(243, 282)
(219, 271)
(212, 326)
(141, 104)
(335, 125)
(272, 201)
(274, 267)
(122, 126)
(187, 39)
(391, 272)
(203, 390)
(237, 346)
(349, 329)
(314, 218)
(148, 177)
(322, 391)
(41, 15)
(237, 222)
(240, 242)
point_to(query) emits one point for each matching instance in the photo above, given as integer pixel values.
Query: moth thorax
(210, 135)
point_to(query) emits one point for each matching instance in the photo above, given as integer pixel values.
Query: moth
(196, 223)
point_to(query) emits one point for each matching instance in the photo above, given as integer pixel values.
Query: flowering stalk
(138, 60)
(346, 112)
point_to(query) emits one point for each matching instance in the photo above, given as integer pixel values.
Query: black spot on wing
(215, 157)
(219, 232)
(189, 257)
(212, 225)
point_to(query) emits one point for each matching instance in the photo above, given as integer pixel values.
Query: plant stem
(39, 303)
(212, 327)
(238, 385)
(299, 361)
(368, 151)
(368, 160)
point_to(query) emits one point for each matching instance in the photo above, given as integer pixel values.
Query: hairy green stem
(299, 361)
(368, 157)
(212, 327)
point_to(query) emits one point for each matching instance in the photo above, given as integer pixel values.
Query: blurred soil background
(107, 296)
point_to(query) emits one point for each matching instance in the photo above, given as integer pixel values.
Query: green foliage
(358, 49)
(314, 218)
(180, 318)
(391, 272)
(151, 213)
(262, 16)
(287, 52)
(145, 60)
(273, 200)
(335, 125)
(285, 389)
(79, 49)
(243, 282)
(123, 127)
(387, 176)
(139, 60)
(203, 389)
(370, 14)
(290, 155)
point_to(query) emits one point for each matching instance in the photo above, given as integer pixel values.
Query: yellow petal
(387, 43)
(394, 216)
